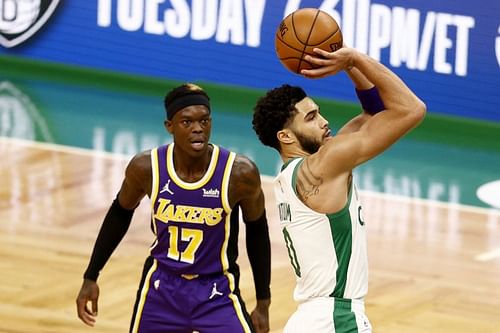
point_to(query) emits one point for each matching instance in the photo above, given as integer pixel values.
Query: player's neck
(192, 168)
(292, 152)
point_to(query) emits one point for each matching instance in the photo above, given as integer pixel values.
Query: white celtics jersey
(327, 251)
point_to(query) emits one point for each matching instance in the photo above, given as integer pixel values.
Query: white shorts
(328, 314)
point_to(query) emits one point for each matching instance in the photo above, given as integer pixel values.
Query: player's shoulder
(142, 157)
(244, 163)
(140, 162)
(244, 169)
(335, 157)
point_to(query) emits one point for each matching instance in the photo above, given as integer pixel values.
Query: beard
(308, 144)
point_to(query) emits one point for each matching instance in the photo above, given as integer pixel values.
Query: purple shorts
(172, 303)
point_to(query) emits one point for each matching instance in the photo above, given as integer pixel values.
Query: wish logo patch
(21, 19)
(211, 193)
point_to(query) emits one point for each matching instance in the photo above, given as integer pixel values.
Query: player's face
(309, 126)
(191, 128)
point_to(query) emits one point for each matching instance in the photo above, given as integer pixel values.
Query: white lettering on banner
(130, 14)
(362, 18)
(408, 37)
(291, 6)
(404, 30)
(463, 24)
(204, 19)
(177, 20)
(228, 21)
(497, 47)
(443, 43)
(371, 28)
(380, 29)
(426, 41)
(104, 13)
(152, 25)
(329, 5)
(254, 13)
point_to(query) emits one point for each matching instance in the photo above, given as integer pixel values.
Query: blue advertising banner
(447, 51)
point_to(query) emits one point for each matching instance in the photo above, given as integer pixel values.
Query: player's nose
(324, 123)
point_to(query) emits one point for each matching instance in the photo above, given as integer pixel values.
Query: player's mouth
(198, 144)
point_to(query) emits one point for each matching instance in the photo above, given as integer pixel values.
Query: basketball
(300, 32)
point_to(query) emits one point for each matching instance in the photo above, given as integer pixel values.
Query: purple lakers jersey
(191, 220)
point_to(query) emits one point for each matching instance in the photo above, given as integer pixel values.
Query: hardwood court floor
(426, 272)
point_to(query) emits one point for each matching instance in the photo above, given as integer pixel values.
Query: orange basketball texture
(300, 32)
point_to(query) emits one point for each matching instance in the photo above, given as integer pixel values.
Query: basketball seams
(285, 43)
(306, 30)
(297, 70)
(324, 40)
(332, 22)
(297, 37)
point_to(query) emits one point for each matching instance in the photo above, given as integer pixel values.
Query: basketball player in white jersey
(319, 209)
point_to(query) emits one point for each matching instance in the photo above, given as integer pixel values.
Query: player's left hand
(89, 292)
(260, 316)
(329, 63)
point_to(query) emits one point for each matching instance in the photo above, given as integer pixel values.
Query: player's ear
(168, 126)
(286, 136)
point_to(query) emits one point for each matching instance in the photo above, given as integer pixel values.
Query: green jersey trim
(341, 229)
(343, 317)
(283, 167)
(294, 178)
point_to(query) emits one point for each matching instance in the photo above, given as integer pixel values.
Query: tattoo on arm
(307, 182)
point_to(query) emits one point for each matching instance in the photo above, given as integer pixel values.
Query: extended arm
(246, 191)
(403, 110)
(369, 98)
(112, 231)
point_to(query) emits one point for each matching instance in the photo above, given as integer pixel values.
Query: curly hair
(273, 111)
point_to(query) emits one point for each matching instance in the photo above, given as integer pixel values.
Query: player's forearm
(367, 93)
(113, 228)
(369, 98)
(354, 124)
(263, 304)
(358, 79)
(259, 255)
(394, 92)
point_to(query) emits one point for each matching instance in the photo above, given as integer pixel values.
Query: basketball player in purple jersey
(190, 280)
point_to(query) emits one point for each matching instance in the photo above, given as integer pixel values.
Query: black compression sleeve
(113, 228)
(259, 255)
